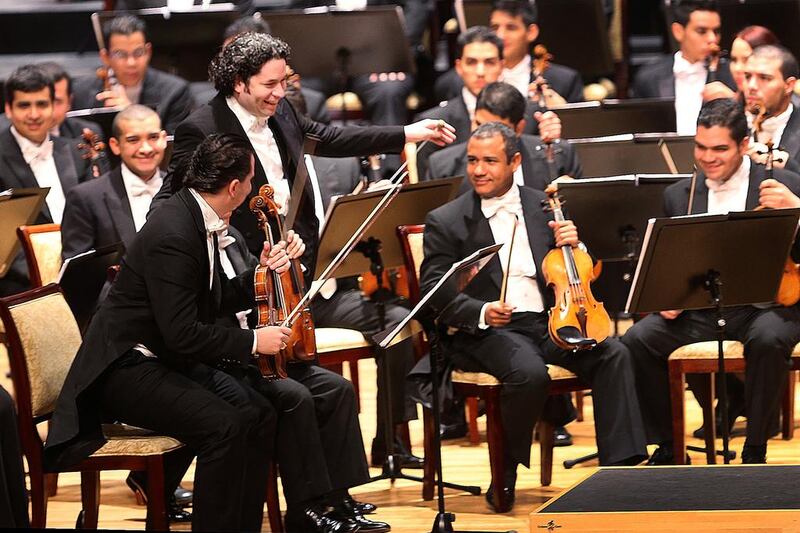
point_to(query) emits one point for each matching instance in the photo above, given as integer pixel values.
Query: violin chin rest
(572, 335)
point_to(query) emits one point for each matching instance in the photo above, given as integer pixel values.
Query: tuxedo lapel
(480, 235)
(700, 202)
(790, 140)
(65, 164)
(119, 208)
(757, 175)
(534, 166)
(666, 82)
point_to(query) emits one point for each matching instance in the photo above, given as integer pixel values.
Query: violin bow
(504, 285)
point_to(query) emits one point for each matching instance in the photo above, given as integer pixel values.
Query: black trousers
(768, 335)
(233, 441)
(518, 354)
(349, 309)
(13, 498)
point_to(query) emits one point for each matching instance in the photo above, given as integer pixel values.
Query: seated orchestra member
(727, 181)
(516, 23)
(13, 497)
(683, 76)
(498, 103)
(510, 340)
(742, 47)
(113, 207)
(30, 157)
(64, 126)
(127, 56)
(148, 356)
(479, 62)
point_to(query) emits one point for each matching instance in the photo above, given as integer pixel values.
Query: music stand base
(702, 449)
(443, 523)
(569, 463)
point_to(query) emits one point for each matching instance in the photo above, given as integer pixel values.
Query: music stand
(636, 153)
(453, 281)
(686, 262)
(83, 277)
(616, 117)
(380, 248)
(184, 41)
(102, 116)
(562, 23)
(18, 207)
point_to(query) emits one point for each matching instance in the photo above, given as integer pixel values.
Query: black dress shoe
(406, 458)
(754, 455)
(361, 507)
(319, 519)
(562, 437)
(453, 431)
(664, 456)
(176, 513)
(346, 510)
(509, 492)
(182, 497)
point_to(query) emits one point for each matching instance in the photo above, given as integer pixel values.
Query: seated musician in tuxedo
(148, 358)
(64, 126)
(510, 340)
(131, 79)
(516, 23)
(684, 75)
(500, 102)
(114, 207)
(30, 157)
(727, 181)
(479, 62)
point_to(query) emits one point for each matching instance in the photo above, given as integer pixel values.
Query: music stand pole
(713, 285)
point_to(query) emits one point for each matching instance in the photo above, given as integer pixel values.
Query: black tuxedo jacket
(457, 229)
(97, 213)
(161, 299)
(676, 196)
(564, 80)
(790, 140)
(454, 112)
(15, 173)
(169, 94)
(452, 161)
(290, 130)
(656, 79)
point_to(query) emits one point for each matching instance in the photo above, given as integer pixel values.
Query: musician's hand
(551, 98)
(716, 90)
(776, 195)
(565, 232)
(438, 132)
(295, 245)
(271, 339)
(671, 314)
(757, 152)
(379, 185)
(497, 314)
(114, 98)
(552, 187)
(275, 258)
(549, 126)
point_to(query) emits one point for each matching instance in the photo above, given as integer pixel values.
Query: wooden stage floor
(402, 505)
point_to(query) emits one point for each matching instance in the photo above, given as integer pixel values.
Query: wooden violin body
(277, 294)
(577, 321)
(789, 289)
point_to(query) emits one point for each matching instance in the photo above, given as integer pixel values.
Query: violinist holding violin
(727, 180)
(508, 337)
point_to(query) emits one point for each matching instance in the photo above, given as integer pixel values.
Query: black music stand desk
(634, 153)
(616, 117)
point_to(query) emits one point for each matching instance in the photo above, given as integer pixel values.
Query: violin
(277, 294)
(541, 60)
(712, 62)
(92, 148)
(577, 321)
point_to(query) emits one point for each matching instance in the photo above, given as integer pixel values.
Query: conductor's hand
(438, 132)
(295, 245)
(497, 314)
(671, 314)
(549, 126)
(275, 258)
(565, 232)
(271, 339)
(775, 195)
(716, 90)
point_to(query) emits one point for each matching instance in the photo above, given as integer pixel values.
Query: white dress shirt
(772, 128)
(134, 92)
(502, 213)
(519, 76)
(470, 101)
(226, 240)
(39, 157)
(732, 194)
(690, 79)
(140, 193)
(266, 148)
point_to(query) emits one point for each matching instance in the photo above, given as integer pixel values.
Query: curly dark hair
(243, 58)
(218, 160)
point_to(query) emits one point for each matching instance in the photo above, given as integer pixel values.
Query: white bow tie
(225, 240)
(716, 186)
(259, 125)
(42, 152)
(684, 69)
(509, 202)
(139, 187)
(218, 226)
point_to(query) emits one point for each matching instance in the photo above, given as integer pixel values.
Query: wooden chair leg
(273, 505)
(156, 495)
(472, 419)
(353, 367)
(677, 387)
(51, 484)
(90, 498)
(710, 419)
(496, 438)
(787, 419)
(545, 452)
(579, 405)
(429, 468)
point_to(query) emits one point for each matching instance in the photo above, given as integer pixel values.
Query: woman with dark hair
(13, 499)
(742, 47)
